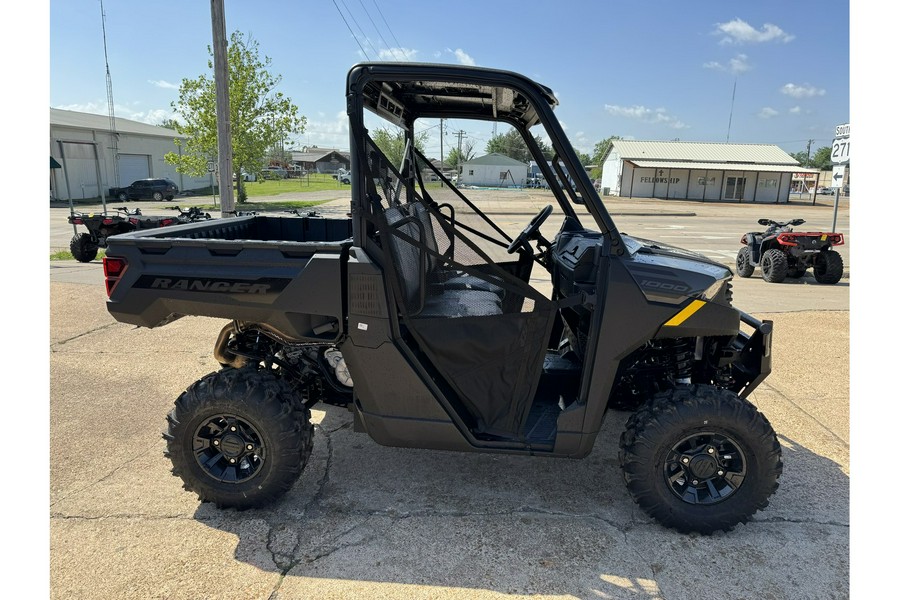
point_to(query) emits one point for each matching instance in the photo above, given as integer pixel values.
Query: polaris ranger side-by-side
(420, 315)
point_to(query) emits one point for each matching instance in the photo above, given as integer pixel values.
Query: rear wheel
(744, 266)
(123, 197)
(829, 267)
(774, 265)
(239, 438)
(157, 196)
(83, 248)
(700, 459)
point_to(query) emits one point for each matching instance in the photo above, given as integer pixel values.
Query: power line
(361, 31)
(388, 46)
(350, 30)
(399, 45)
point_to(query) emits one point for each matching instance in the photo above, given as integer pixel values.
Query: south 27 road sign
(840, 146)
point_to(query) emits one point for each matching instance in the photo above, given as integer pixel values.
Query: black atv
(782, 252)
(84, 246)
(191, 214)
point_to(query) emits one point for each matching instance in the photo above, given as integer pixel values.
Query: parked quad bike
(85, 246)
(191, 214)
(781, 252)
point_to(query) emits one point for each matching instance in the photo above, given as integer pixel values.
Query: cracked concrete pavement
(366, 521)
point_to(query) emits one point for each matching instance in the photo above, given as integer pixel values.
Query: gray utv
(421, 315)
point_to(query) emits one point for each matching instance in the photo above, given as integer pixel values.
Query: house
(493, 170)
(95, 157)
(320, 160)
(698, 171)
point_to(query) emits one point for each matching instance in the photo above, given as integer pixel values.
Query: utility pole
(459, 156)
(223, 109)
(808, 148)
(731, 113)
(442, 150)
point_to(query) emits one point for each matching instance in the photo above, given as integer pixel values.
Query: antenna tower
(111, 105)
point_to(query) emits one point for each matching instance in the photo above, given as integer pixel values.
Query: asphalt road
(375, 522)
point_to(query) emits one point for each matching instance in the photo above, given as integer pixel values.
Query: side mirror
(763, 221)
(798, 222)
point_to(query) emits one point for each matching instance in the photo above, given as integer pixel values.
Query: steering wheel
(530, 229)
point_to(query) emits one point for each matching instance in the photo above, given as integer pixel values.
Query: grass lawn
(315, 182)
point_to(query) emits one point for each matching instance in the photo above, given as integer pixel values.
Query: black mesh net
(465, 300)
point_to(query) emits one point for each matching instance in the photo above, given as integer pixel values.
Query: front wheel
(83, 248)
(158, 196)
(743, 264)
(239, 438)
(123, 197)
(829, 267)
(700, 459)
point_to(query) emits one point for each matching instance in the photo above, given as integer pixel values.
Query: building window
(471, 172)
(706, 181)
(734, 188)
(770, 183)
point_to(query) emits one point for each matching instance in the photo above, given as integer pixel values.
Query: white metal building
(493, 170)
(699, 171)
(83, 144)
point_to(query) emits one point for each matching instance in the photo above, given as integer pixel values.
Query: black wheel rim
(705, 468)
(229, 448)
(741, 261)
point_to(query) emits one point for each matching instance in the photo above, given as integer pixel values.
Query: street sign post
(840, 157)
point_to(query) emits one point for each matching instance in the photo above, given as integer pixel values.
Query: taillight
(788, 239)
(836, 239)
(165, 222)
(108, 221)
(113, 269)
(77, 221)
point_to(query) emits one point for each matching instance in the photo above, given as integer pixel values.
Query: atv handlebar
(771, 223)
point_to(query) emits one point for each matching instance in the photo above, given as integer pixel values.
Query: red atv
(100, 226)
(782, 252)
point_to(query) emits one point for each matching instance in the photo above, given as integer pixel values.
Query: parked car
(826, 191)
(245, 176)
(342, 175)
(273, 173)
(150, 189)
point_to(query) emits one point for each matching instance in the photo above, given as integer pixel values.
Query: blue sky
(653, 70)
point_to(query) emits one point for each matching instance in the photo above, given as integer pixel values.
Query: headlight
(720, 290)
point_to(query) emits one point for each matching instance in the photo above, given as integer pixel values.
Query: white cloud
(163, 84)
(399, 54)
(153, 116)
(794, 110)
(326, 133)
(461, 57)
(647, 115)
(738, 31)
(767, 113)
(736, 65)
(801, 91)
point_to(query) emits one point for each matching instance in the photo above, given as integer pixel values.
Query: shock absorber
(683, 356)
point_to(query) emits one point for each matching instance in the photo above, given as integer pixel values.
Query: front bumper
(754, 355)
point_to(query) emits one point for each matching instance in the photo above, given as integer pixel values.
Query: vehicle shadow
(366, 520)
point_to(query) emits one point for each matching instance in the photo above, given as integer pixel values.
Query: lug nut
(231, 460)
(215, 442)
(249, 446)
(685, 460)
(695, 482)
(720, 473)
(711, 450)
(233, 428)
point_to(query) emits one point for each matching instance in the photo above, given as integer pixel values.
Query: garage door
(133, 167)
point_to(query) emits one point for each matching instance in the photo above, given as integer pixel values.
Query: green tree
(800, 157)
(600, 150)
(260, 116)
(393, 143)
(455, 157)
(513, 145)
(821, 159)
(169, 123)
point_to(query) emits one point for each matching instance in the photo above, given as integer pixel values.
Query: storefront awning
(699, 166)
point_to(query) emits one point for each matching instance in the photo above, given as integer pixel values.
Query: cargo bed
(255, 269)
